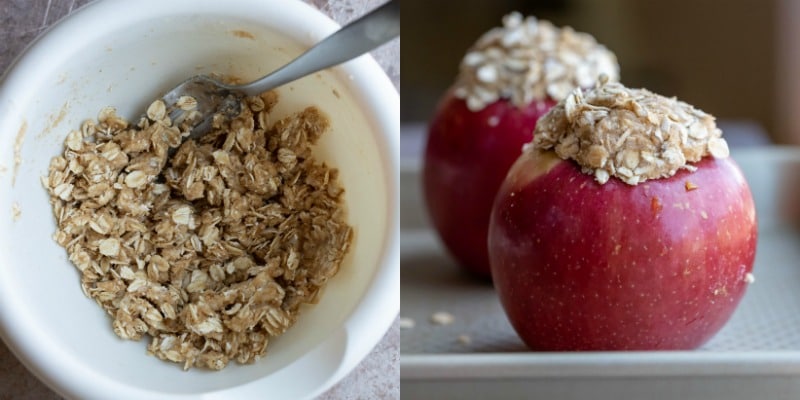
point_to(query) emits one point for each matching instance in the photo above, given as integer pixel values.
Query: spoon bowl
(212, 96)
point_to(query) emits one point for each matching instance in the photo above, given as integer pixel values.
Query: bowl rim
(380, 303)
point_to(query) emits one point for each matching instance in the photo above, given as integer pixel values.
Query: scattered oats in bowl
(210, 252)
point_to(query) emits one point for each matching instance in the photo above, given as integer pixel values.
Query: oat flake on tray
(219, 257)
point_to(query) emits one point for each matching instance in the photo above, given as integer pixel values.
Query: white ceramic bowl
(123, 53)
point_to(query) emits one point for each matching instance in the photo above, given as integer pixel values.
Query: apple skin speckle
(466, 158)
(665, 278)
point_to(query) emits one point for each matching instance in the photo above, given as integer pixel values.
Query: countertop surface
(377, 377)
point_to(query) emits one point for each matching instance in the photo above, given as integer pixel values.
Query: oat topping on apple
(631, 134)
(509, 78)
(624, 225)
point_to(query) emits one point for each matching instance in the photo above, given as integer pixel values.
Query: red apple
(506, 81)
(584, 266)
(467, 156)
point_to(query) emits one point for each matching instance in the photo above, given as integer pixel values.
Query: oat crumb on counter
(749, 278)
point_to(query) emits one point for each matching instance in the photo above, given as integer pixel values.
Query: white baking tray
(755, 356)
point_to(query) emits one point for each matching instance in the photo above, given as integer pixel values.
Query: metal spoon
(360, 36)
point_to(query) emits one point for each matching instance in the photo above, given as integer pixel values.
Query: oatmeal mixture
(210, 252)
(529, 59)
(632, 134)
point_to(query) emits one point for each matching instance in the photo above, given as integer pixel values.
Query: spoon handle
(360, 36)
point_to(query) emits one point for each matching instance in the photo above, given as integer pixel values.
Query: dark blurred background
(735, 59)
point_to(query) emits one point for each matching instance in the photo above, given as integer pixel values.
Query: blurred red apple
(467, 156)
(584, 265)
(509, 78)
